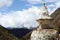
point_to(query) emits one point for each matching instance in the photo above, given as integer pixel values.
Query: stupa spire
(44, 14)
(44, 4)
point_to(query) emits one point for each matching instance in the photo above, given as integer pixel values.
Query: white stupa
(42, 33)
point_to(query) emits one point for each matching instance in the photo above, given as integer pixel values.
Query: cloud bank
(40, 1)
(20, 19)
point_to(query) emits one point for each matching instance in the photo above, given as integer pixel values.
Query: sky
(23, 13)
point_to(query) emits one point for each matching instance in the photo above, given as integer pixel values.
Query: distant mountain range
(19, 32)
(12, 34)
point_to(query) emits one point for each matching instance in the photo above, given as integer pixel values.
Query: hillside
(56, 18)
(5, 35)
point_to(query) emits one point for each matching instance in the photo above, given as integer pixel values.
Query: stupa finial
(44, 4)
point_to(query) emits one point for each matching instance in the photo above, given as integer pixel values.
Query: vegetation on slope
(5, 35)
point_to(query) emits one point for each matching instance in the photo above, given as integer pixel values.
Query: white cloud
(57, 4)
(40, 1)
(53, 7)
(52, 4)
(5, 3)
(50, 1)
(34, 1)
(15, 19)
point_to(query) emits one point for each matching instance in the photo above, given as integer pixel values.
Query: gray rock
(44, 34)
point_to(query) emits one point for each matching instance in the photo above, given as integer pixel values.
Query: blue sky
(14, 13)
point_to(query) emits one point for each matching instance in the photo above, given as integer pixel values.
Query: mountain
(5, 35)
(56, 19)
(19, 32)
